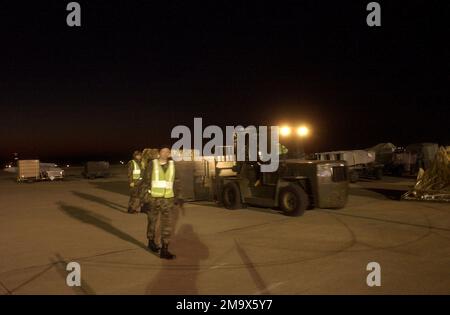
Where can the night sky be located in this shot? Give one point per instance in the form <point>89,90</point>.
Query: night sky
<point>135,69</point>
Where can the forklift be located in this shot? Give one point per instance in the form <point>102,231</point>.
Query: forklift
<point>297,185</point>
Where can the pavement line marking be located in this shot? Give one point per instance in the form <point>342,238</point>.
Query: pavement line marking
<point>252,226</point>
<point>32,278</point>
<point>217,266</point>
<point>386,220</point>
<point>75,258</point>
<point>8,292</point>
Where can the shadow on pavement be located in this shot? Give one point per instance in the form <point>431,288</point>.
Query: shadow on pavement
<point>393,194</point>
<point>364,192</point>
<point>72,178</point>
<point>118,187</point>
<point>101,201</point>
<point>100,222</point>
<point>378,193</point>
<point>257,279</point>
<point>190,250</point>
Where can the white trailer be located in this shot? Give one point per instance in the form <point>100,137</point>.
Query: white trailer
<point>361,163</point>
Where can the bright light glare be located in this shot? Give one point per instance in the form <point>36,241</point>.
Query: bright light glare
<point>285,131</point>
<point>302,131</point>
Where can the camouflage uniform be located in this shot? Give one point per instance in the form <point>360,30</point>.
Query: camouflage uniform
<point>135,203</point>
<point>161,208</point>
<point>147,156</point>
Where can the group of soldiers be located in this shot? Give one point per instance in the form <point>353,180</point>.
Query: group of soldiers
<point>155,190</point>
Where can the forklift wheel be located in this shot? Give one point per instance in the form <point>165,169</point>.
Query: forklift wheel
<point>293,200</point>
<point>231,196</point>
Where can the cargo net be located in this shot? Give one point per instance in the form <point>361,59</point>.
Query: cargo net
<point>434,183</point>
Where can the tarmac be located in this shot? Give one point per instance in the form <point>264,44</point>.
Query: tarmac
<point>46,225</point>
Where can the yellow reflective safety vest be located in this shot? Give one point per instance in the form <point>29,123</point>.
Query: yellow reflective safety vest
<point>162,182</point>
<point>136,171</point>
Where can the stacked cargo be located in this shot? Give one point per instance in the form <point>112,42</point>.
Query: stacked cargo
<point>28,170</point>
<point>433,184</point>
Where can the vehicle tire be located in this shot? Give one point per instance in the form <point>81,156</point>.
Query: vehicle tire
<point>353,176</point>
<point>293,200</point>
<point>231,196</point>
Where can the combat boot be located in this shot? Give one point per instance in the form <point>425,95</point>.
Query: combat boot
<point>152,246</point>
<point>165,254</point>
